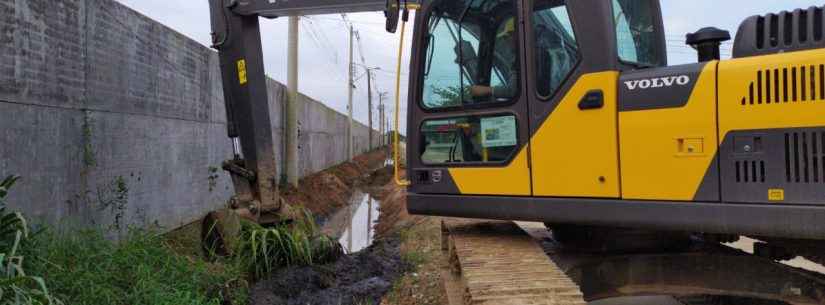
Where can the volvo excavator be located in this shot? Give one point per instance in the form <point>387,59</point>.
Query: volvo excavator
<point>566,112</point>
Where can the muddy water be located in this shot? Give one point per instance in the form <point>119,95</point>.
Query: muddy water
<point>746,244</point>
<point>704,274</point>
<point>354,225</point>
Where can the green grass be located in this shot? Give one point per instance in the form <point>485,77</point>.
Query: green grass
<point>413,256</point>
<point>17,285</point>
<point>85,268</point>
<point>264,250</point>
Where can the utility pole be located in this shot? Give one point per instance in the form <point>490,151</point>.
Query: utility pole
<point>380,121</point>
<point>387,133</point>
<point>369,104</point>
<point>350,149</point>
<point>382,129</point>
<point>389,129</point>
<point>292,104</point>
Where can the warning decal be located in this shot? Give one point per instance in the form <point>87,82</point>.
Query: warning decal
<point>242,71</point>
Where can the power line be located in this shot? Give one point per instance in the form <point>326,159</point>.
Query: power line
<point>349,21</point>
<point>312,32</point>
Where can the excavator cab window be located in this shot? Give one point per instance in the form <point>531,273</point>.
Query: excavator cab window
<point>471,63</point>
<point>557,51</point>
<point>471,139</point>
<point>637,32</point>
<point>472,55</point>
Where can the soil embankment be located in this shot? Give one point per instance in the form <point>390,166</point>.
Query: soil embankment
<point>330,190</point>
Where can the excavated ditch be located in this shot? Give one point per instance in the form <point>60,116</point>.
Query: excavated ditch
<point>363,276</point>
<point>360,278</point>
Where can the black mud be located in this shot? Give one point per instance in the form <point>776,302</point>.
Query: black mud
<point>361,278</point>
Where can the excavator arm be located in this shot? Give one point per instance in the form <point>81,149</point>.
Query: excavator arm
<point>237,37</point>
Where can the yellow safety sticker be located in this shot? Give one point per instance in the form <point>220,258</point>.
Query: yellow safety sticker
<point>776,195</point>
<point>242,71</point>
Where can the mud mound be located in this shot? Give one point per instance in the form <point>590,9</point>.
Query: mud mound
<point>362,278</point>
<point>326,192</point>
<point>393,209</point>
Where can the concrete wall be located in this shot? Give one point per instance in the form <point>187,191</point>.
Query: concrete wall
<point>114,119</point>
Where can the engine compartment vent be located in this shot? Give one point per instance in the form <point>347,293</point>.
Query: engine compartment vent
<point>786,85</point>
<point>780,32</point>
<point>805,157</point>
<point>749,171</point>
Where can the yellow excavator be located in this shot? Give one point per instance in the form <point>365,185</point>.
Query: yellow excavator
<point>566,112</point>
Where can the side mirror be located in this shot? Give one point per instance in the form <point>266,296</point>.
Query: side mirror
<point>392,14</point>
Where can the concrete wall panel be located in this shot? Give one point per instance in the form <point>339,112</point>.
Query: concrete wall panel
<point>45,146</point>
<point>165,164</point>
<point>136,65</point>
<point>114,119</point>
<point>42,49</point>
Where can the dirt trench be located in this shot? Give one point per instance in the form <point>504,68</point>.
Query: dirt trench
<point>328,191</point>
<point>361,278</point>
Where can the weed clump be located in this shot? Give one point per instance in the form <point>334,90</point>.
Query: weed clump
<point>264,250</point>
<point>16,285</point>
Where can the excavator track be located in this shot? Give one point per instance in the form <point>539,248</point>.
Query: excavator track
<point>496,262</point>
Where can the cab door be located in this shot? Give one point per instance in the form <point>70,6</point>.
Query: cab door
<point>573,76</point>
<point>468,106</point>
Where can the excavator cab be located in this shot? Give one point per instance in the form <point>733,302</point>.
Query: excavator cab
<point>492,75</point>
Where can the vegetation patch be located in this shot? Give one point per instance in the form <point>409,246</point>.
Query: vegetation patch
<point>17,285</point>
<point>84,267</point>
<point>88,150</point>
<point>264,250</point>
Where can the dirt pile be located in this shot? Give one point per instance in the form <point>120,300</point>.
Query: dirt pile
<point>362,278</point>
<point>326,192</point>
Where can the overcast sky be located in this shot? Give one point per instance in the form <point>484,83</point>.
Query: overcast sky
<point>324,42</point>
